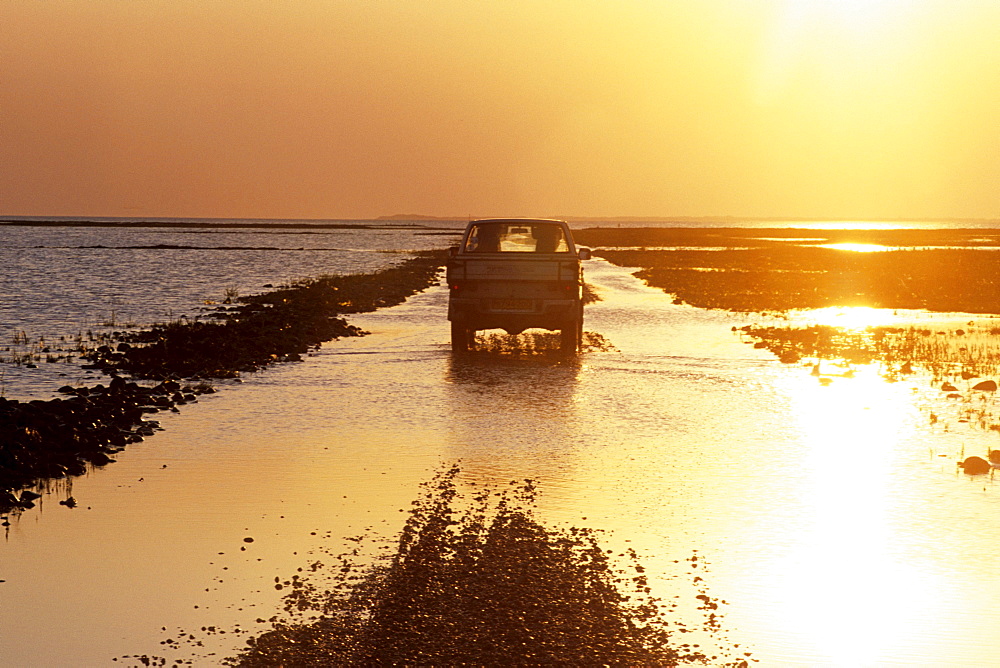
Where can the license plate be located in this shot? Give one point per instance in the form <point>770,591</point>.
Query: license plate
<point>511,305</point>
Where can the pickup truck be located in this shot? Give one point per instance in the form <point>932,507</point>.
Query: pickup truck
<point>516,274</point>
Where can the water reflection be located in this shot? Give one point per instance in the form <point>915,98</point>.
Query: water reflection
<point>551,378</point>
<point>507,412</point>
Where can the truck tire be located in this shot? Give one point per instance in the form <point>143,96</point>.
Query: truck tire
<point>461,337</point>
<point>569,337</point>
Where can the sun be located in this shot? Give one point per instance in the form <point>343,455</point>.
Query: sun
<point>856,11</point>
<point>853,16</point>
<point>835,41</point>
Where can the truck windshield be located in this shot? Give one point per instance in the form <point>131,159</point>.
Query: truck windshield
<point>516,238</point>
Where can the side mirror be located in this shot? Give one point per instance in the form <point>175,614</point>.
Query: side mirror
<point>584,253</point>
<point>453,251</point>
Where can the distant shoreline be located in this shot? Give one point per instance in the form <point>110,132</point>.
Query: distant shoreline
<point>624,232</point>
<point>418,219</point>
<point>215,223</point>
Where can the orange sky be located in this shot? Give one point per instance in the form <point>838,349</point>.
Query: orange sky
<point>358,108</point>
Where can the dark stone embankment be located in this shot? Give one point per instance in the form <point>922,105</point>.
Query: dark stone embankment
<point>62,437</point>
<point>271,327</point>
<point>42,440</point>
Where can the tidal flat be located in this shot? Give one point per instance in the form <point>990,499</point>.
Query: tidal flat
<point>779,277</point>
<point>620,438</point>
<point>786,269</point>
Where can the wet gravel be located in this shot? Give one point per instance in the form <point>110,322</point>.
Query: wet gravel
<point>479,581</point>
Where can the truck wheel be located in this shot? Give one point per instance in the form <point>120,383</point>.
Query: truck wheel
<point>461,337</point>
<point>570,337</point>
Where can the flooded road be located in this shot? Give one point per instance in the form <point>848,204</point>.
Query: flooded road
<point>827,518</point>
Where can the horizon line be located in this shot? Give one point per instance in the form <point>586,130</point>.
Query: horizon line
<point>12,218</point>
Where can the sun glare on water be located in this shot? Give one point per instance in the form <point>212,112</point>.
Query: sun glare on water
<point>856,225</point>
<point>845,561</point>
<point>857,248</point>
<point>854,318</point>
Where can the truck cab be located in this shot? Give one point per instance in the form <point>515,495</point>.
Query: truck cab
<point>516,274</point>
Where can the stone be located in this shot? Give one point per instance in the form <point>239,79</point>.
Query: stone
<point>976,466</point>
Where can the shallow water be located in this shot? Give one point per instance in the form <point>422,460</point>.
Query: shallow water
<point>826,517</point>
<point>60,284</point>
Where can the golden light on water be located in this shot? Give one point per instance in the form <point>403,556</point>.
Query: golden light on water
<point>857,248</point>
<point>841,584</point>
<point>854,225</point>
<point>855,318</point>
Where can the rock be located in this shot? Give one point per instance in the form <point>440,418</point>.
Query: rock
<point>948,387</point>
<point>100,459</point>
<point>167,387</point>
<point>976,466</point>
<point>986,386</point>
<point>789,356</point>
<point>995,456</point>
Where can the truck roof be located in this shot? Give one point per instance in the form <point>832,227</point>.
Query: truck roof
<point>518,220</point>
